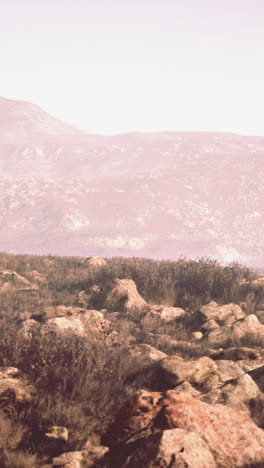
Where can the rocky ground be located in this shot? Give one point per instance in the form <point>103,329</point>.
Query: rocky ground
<point>95,373</point>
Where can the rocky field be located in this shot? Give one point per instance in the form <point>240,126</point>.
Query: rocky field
<point>130,363</point>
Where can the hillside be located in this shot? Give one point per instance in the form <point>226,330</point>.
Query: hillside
<point>160,195</point>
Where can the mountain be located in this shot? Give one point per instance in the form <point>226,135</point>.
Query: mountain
<point>29,123</point>
<point>160,195</point>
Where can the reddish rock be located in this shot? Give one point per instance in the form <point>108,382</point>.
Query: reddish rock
<point>231,436</point>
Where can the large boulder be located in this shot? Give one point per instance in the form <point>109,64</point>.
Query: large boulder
<point>221,314</point>
<point>142,423</point>
<point>90,319</point>
<point>233,389</point>
<point>220,381</point>
<point>249,327</point>
<point>174,370</point>
<point>124,297</point>
<point>64,326</point>
<point>171,448</point>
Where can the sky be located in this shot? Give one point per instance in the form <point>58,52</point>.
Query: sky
<point>115,66</point>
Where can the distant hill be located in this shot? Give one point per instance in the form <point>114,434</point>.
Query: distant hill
<point>166,194</point>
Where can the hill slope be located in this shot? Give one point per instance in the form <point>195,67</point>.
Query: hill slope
<point>160,195</point>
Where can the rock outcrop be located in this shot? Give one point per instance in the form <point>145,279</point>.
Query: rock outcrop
<point>200,434</point>
<point>10,280</point>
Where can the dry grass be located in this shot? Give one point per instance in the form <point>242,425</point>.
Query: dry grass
<point>18,459</point>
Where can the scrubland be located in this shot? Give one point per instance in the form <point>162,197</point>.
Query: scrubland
<point>80,355</point>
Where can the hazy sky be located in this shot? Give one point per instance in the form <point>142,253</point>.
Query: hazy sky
<point>111,66</point>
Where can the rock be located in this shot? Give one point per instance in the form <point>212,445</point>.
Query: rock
<point>223,315</point>
<point>57,433</point>
<point>24,315</point>
<point>250,325</point>
<point>28,328</point>
<point>218,337</point>
<point>37,277</point>
<point>175,370</point>
<point>94,262</point>
<point>148,352</point>
<point>197,336</point>
<point>238,353</point>
<point>247,365</point>
<point>234,388</point>
<point>172,448</point>
<point>227,370</point>
<point>161,339</point>
<point>55,441</point>
<point>226,398</point>
<point>13,279</point>
<point>61,311</point>
<point>209,325</point>
<point>92,317</point>
<point>258,376</point>
<point>247,327</point>
<point>74,316</point>
<point>231,436</point>
<point>221,381</point>
<point>86,298</point>
<point>85,458</point>
<point>16,392</point>
<point>167,314</point>
<point>70,460</point>
<point>62,326</point>
<point>259,282</point>
<point>124,297</point>
<point>48,262</point>
<point>260,314</point>
<point>10,280</point>
<point>186,387</point>
<point>243,387</point>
